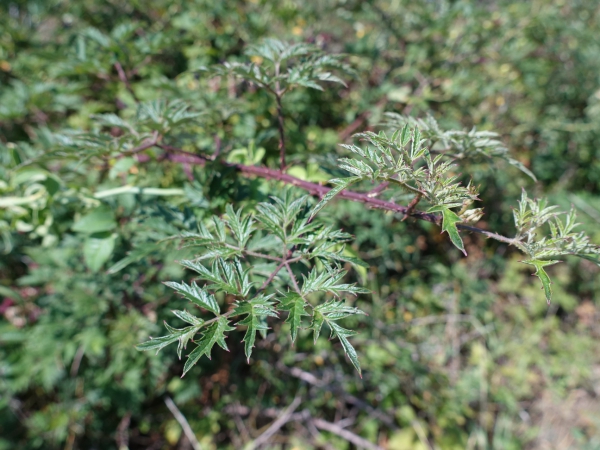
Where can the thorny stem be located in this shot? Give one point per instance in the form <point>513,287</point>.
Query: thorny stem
<point>320,191</point>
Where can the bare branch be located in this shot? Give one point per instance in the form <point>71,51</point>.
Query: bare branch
<point>320,191</point>
<point>125,80</point>
<point>285,417</point>
<point>345,434</point>
<point>183,422</point>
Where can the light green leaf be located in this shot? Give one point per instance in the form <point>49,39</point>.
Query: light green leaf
<point>134,256</point>
<point>187,317</point>
<point>183,335</point>
<point>294,304</point>
<point>449,221</point>
<point>342,334</point>
<point>196,295</point>
<point>542,275</point>
<point>100,219</point>
<point>97,249</point>
<point>257,310</point>
<point>340,185</point>
<point>329,313</point>
<point>214,334</point>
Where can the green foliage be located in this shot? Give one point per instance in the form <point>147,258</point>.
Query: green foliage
<point>282,238</point>
<point>141,139</point>
<point>286,67</point>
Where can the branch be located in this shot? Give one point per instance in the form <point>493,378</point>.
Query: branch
<point>272,276</point>
<point>345,434</point>
<point>125,80</point>
<point>285,417</point>
<point>183,422</point>
<point>281,134</point>
<point>144,146</point>
<point>320,191</point>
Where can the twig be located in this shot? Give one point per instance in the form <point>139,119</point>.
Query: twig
<point>125,80</point>
<point>122,437</point>
<point>278,93</point>
<point>144,146</point>
<point>345,434</point>
<point>421,434</point>
<point>183,422</point>
<point>272,276</point>
<point>276,426</point>
<point>411,206</point>
<point>378,189</point>
<point>77,361</point>
<point>320,191</point>
<point>281,134</point>
<point>294,282</point>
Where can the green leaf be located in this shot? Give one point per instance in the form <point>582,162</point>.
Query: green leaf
<point>157,343</point>
<point>100,219</point>
<point>187,317</point>
<point>183,335</point>
<point>328,281</point>
<point>196,295</point>
<point>405,135</point>
<point>241,227</point>
<point>257,310</point>
<point>342,334</point>
<point>214,334</point>
<point>341,257</point>
<point>134,256</point>
<point>542,275</point>
<point>340,185</point>
<point>449,221</point>
<point>329,313</point>
<point>97,249</point>
<point>295,305</point>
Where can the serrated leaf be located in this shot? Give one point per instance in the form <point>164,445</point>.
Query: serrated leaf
<point>295,305</point>
<point>341,257</point>
<point>328,281</point>
<point>542,275</point>
<point>183,335</point>
<point>187,317</point>
<point>329,313</point>
<point>213,334</point>
<point>342,334</point>
<point>340,185</point>
<point>256,311</point>
<point>405,136</point>
<point>240,227</point>
<point>196,295</point>
<point>449,221</point>
<point>157,343</point>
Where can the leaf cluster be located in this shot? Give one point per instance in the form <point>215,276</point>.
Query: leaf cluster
<point>254,259</point>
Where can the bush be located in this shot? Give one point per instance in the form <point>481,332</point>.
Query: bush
<point>141,140</point>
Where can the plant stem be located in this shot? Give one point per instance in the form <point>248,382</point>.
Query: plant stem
<point>320,191</point>
<point>281,134</point>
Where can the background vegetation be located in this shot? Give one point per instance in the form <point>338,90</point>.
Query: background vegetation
<point>456,352</point>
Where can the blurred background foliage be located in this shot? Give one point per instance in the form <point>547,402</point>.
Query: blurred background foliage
<point>456,352</point>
